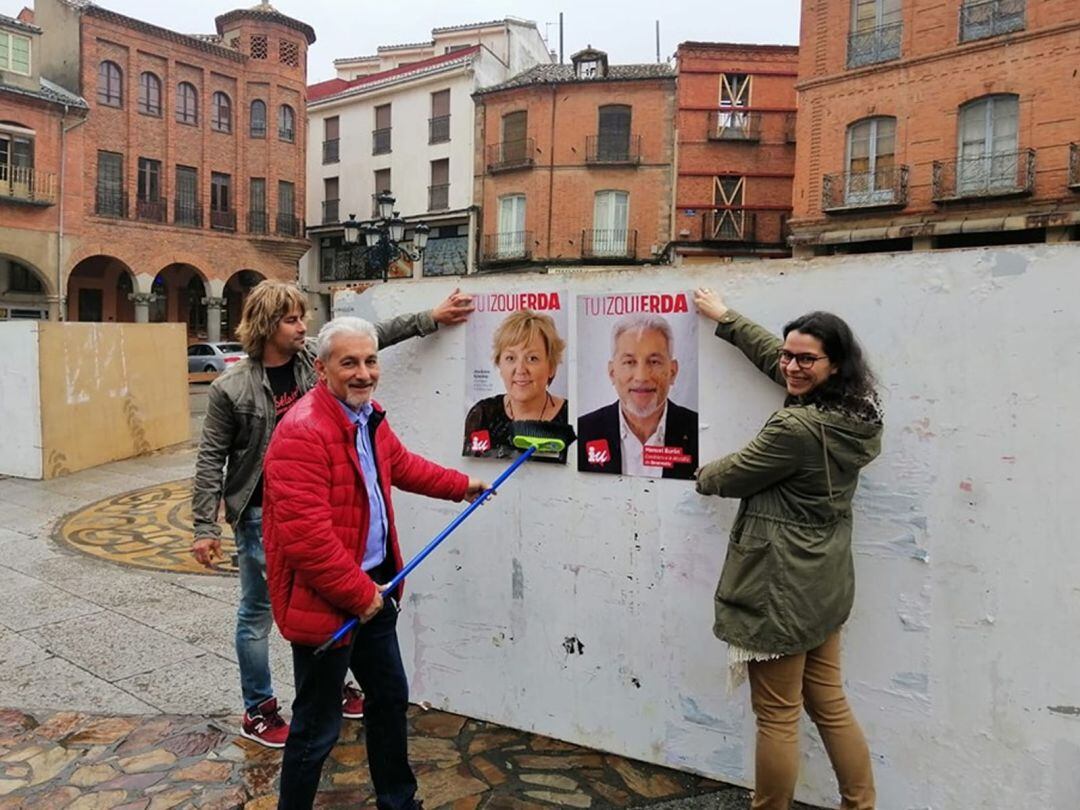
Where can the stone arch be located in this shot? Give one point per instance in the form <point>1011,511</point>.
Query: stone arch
<point>177,295</point>
<point>101,288</point>
<point>237,288</point>
<point>25,291</point>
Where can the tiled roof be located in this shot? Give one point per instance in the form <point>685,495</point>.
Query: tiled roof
<point>446,29</point>
<point>356,59</point>
<point>50,92</point>
<point>11,22</point>
<point>405,46</point>
<point>738,46</point>
<point>90,10</point>
<point>267,12</point>
<point>564,74</point>
<point>324,90</point>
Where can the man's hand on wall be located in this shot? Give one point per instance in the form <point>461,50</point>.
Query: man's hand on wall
<point>456,308</point>
<point>206,550</point>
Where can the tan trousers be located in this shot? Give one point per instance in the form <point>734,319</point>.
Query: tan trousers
<point>778,691</point>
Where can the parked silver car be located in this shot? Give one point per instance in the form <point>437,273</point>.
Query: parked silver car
<point>213,356</point>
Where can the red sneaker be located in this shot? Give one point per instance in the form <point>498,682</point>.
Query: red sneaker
<point>352,702</point>
<point>265,725</point>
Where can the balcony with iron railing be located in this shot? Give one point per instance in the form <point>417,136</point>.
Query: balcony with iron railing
<point>510,246</point>
<point>734,125</point>
<point>510,155</point>
<point>24,184</point>
<point>187,212</point>
<point>380,141</point>
<point>882,188</point>
<point>439,197</point>
<point>258,222</point>
<point>439,129</point>
<point>990,18</point>
<point>109,202</point>
<point>151,210</point>
<point>222,220</point>
<point>604,150</point>
<point>874,45</point>
<point>729,225</point>
<point>331,212</point>
<point>606,244</point>
<point>288,225</point>
<point>1074,166</point>
<point>331,151</point>
<point>1001,174</point>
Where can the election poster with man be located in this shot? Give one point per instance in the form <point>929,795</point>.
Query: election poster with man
<point>637,384</point>
<point>515,362</point>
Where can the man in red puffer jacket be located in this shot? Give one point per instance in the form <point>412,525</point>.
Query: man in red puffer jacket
<point>330,541</point>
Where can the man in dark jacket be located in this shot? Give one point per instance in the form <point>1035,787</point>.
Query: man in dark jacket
<point>643,433</point>
<point>244,405</point>
<point>331,545</point>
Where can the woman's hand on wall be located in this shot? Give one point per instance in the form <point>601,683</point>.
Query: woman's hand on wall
<point>709,303</point>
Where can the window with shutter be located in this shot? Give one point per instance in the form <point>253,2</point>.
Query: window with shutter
<point>614,133</point>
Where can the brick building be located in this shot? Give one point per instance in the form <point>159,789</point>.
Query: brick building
<point>402,121</point>
<point>40,183</point>
<point>574,163</point>
<point>192,165</point>
<point>735,129</point>
<point>936,124</point>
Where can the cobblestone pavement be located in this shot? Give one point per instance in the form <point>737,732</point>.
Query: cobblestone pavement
<point>82,761</point>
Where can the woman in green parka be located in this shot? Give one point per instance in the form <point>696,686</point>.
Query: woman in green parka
<point>788,581</point>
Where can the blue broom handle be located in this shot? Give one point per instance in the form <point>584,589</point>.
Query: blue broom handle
<point>430,547</point>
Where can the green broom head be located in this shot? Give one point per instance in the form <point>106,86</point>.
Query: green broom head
<point>549,438</point>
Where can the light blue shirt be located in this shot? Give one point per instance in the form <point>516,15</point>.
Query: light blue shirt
<point>375,551</point>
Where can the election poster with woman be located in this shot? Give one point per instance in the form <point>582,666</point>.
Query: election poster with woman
<point>515,363</point>
<point>637,384</point>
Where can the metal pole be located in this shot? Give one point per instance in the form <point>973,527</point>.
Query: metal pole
<point>658,42</point>
<point>560,38</point>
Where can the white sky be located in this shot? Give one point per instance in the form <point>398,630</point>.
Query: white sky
<point>626,30</point>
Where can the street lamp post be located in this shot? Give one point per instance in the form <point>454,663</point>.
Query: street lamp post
<point>383,236</point>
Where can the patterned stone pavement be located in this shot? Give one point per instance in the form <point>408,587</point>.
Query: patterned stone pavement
<point>84,762</point>
<point>147,528</point>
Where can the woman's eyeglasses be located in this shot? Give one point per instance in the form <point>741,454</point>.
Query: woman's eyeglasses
<point>804,361</point>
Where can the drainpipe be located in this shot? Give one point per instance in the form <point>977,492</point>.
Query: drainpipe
<point>551,168</point>
<point>61,298</point>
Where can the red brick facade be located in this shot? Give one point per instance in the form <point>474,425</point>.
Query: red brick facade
<point>559,162</point>
<point>184,244</point>
<point>736,148</point>
<point>938,124</point>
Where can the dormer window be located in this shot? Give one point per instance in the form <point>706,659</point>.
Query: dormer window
<point>590,64</point>
<point>14,53</point>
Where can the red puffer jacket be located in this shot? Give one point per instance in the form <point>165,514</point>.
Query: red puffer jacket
<point>315,513</point>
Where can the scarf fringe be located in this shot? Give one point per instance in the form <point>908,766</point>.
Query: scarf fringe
<point>738,671</point>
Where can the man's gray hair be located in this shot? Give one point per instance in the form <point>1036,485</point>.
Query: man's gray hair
<point>639,323</point>
<point>344,325</point>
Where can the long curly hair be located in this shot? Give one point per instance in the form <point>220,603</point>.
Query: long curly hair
<point>265,306</point>
<point>854,379</point>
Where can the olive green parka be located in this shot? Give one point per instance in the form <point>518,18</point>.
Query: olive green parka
<point>788,581</point>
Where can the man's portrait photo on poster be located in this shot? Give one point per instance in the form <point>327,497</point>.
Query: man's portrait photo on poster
<point>516,367</point>
<point>637,383</point>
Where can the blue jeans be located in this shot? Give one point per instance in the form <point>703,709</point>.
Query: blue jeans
<point>374,657</point>
<point>253,617</point>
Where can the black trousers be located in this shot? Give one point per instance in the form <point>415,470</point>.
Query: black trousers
<point>375,660</point>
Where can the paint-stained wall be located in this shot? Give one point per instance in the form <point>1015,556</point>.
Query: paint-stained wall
<point>110,391</point>
<point>580,605</point>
